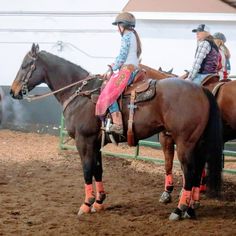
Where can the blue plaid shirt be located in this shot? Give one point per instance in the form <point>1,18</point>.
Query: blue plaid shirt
<point>203,49</point>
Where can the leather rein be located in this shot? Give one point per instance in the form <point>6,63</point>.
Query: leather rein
<point>36,96</point>
<point>78,92</point>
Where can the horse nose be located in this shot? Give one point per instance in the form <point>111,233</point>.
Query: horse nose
<point>16,96</point>
<point>11,93</point>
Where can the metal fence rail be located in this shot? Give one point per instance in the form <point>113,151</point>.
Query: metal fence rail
<point>64,145</point>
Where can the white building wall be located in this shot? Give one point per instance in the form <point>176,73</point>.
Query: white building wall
<point>171,44</point>
<point>81,32</point>
<point>80,39</point>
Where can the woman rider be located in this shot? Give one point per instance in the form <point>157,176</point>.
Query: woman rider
<point>125,63</point>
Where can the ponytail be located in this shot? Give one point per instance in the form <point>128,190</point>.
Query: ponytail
<point>139,46</point>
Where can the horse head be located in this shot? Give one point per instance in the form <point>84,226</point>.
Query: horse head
<point>157,74</point>
<point>30,74</point>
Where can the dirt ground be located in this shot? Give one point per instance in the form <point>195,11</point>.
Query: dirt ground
<point>42,188</point>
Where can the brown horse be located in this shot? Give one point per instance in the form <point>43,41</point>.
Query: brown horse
<point>226,103</point>
<point>195,126</point>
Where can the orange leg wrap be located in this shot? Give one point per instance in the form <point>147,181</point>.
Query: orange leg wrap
<point>169,183</point>
<point>99,188</point>
<point>89,194</point>
<point>84,208</point>
<point>89,200</point>
<point>100,197</point>
<point>195,200</point>
<point>184,200</point>
<point>98,207</point>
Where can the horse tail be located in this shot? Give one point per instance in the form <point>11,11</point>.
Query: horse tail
<point>213,145</point>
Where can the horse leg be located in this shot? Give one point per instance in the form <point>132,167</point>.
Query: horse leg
<point>91,164</point>
<point>168,148</point>
<point>195,200</point>
<point>100,192</point>
<point>199,165</point>
<point>186,159</point>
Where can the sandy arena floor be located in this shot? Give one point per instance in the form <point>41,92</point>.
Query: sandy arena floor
<point>42,188</point>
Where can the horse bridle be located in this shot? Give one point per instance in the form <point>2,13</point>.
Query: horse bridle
<point>78,92</point>
<point>27,76</point>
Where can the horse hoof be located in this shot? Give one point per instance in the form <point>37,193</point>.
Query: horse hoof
<point>84,209</point>
<point>165,197</point>
<point>97,207</point>
<point>186,215</point>
<point>189,214</point>
<point>176,215</point>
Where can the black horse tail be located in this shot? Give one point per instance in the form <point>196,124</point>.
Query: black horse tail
<point>213,142</point>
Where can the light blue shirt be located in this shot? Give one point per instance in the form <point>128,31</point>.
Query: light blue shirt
<point>128,51</point>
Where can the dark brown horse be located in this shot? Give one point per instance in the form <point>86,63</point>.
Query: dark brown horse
<point>225,98</point>
<point>195,126</point>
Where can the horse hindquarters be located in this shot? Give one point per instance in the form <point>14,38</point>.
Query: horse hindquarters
<point>208,149</point>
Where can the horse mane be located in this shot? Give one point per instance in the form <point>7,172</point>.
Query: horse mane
<point>61,61</point>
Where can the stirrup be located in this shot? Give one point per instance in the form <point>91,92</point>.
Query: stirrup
<point>118,129</point>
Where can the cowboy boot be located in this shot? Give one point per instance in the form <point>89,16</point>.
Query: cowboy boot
<point>117,126</point>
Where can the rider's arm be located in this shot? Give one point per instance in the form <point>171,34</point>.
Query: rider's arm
<point>121,58</point>
<point>204,48</point>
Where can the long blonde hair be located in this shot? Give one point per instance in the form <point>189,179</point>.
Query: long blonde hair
<point>226,51</point>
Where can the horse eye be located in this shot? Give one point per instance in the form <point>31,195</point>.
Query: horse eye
<point>24,66</point>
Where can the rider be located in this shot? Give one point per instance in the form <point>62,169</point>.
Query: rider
<point>125,63</point>
<point>220,40</point>
<point>206,55</point>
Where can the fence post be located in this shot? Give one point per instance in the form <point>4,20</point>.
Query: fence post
<point>63,134</point>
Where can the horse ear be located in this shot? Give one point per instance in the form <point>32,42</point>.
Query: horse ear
<point>34,49</point>
<point>160,69</point>
<point>170,71</point>
<point>37,48</point>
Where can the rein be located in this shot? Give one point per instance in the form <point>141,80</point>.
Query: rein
<point>34,97</point>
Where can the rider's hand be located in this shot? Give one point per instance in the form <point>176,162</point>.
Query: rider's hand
<point>107,75</point>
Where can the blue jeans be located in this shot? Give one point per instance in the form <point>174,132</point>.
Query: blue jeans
<point>199,78</point>
<point>114,107</point>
